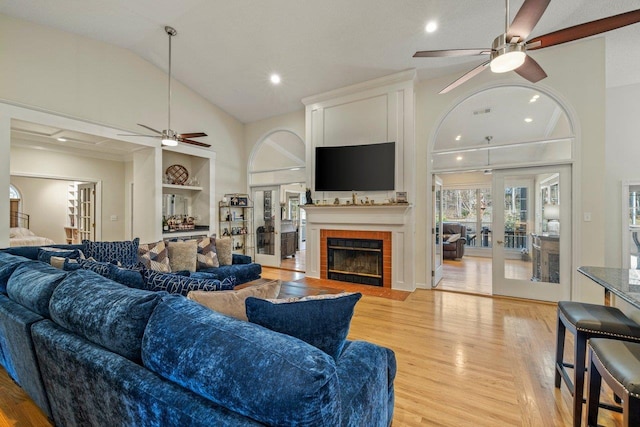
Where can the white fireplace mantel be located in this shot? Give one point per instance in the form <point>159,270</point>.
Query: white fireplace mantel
<point>394,218</point>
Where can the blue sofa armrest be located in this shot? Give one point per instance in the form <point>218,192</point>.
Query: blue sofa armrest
<point>366,373</point>
<point>31,252</point>
<point>240,259</point>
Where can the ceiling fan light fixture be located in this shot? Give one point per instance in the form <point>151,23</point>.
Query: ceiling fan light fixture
<point>508,61</point>
<point>169,142</point>
<point>506,56</point>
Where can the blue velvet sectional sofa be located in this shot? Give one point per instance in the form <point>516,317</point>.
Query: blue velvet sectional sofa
<point>241,269</point>
<point>93,352</point>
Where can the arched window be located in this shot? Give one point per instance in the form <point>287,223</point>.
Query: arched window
<point>503,127</point>
<point>14,193</point>
<point>278,159</point>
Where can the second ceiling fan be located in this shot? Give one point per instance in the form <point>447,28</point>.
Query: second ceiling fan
<point>168,136</point>
<point>509,50</point>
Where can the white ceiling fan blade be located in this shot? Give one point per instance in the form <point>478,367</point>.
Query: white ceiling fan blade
<point>465,77</point>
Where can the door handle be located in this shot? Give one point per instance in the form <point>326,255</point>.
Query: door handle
<point>500,242</point>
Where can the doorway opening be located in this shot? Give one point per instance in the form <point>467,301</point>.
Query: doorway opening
<point>276,178</point>
<point>495,203</point>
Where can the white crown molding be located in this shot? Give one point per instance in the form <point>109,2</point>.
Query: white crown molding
<point>401,77</point>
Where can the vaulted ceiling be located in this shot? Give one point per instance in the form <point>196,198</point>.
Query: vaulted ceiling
<point>226,50</point>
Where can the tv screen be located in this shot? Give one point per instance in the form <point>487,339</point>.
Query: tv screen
<point>368,167</point>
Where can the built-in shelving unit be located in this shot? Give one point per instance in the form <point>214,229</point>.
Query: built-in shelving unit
<point>236,221</point>
<point>186,198</point>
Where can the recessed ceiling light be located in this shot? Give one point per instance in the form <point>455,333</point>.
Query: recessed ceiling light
<point>536,96</point>
<point>62,139</point>
<point>534,99</point>
<point>459,158</point>
<point>431,27</point>
<point>275,79</point>
<point>528,120</point>
<point>458,138</point>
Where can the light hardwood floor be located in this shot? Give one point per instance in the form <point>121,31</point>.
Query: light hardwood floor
<point>463,360</point>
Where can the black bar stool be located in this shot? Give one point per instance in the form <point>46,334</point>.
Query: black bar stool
<point>587,321</point>
<point>618,364</point>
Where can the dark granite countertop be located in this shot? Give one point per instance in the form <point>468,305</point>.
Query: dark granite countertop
<point>620,281</point>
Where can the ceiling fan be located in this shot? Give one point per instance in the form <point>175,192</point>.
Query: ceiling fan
<point>168,136</point>
<point>509,50</point>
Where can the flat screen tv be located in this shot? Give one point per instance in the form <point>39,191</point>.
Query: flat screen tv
<point>368,167</point>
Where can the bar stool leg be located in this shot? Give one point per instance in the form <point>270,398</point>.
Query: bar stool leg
<point>593,394</point>
<point>560,334</point>
<point>631,415</point>
<point>578,374</point>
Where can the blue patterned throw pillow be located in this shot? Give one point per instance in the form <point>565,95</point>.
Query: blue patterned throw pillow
<point>102,268</point>
<point>322,321</point>
<point>126,252</point>
<point>45,254</point>
<point>175,284</point>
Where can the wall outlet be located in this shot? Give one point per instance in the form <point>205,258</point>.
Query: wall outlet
<point>587,216</point>
<point>114,217</point>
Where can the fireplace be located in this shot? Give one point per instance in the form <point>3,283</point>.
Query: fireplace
<point>354,250</point>
<point>355,260</point>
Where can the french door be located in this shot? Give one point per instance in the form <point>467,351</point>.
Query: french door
<point>87,211</point>
<point>531,233</point>
<point>436,275</point>
<point>266,202</point>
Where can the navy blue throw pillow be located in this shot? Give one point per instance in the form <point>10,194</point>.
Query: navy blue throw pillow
<point>130,277</point>
<point>45,254</point>
<point>322,321</point>
<point>126,252</point>
<point>175,284</point>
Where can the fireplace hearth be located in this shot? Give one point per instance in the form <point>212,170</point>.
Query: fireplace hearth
<point>355,260</point>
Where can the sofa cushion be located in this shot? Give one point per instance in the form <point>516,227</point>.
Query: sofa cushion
<point>155,256</point>
<point>8,264</point>
<point>176,284</point>
<point>243,272</point>
<point>32,285</point>
<point>130,277</point>
<point>266,376</point>
<point>183,255</point>
<point>125,252</point>
<point>103,311</point>
<point>224,249</point>
<point>321,320</point>
<point>231,303</point>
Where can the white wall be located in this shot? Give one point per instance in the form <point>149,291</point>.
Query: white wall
<point>45,201</point>
<point>622,162</point>
<point>583,93</point>
<point>73,76</point>
<point>33,162</point>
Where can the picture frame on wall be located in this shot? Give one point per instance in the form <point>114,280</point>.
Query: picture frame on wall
<point>401,197</point>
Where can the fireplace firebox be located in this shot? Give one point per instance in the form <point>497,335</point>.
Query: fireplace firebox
<point>355,260</point>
